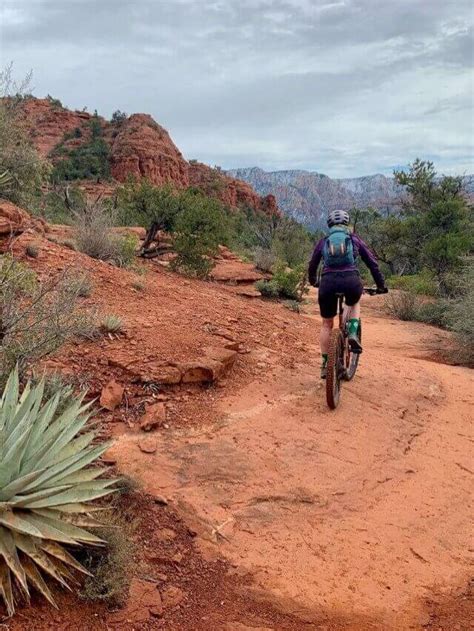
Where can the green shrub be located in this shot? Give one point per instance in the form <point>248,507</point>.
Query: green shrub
<point>268,288</point>
<point>199,229</point>
<point>292,283</point>
<point>25,169</point>
<point>141,204</point>
<point>88,161</point>
<point>56,103</point>
<point>435,313</point>
<point>293,305</point>
<point>118,117</point>
<point>402,305</point>
<point>264,259</point>
<point>422,283</point>
<point>111,324</point>
<point>55,206</point>
<point>285,283</point>
<point>37,316</point>
<point>127,247</point>
<point>138,284</point>
<point>460,318</point>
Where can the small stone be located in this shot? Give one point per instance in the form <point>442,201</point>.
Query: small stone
<point>154,416</point>
<point>166,534</point>
<point>159,499</point>
<point>111,395</point>
<point>147,445</point>
<point>171,596</point>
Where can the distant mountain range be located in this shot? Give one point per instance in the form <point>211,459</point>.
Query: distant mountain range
<point>308,196</point>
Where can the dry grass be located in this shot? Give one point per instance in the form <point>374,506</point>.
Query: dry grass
<point>111,324</point>
<point>111,567</point>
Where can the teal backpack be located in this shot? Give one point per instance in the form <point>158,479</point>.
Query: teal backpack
<point>338,250</point>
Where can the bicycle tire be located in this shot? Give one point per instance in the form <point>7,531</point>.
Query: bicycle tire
<point>353,358</point>
<point>334,369</point>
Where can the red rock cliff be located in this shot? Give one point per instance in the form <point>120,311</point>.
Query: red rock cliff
<point>139,147</point>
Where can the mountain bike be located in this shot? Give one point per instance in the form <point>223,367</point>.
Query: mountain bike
<point>342,360</point>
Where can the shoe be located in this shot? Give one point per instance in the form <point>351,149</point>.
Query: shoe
<point>324,371</point>
<point>354,343</point>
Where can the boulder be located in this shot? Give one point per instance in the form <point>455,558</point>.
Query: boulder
<point>111,395</point>
<point>155,415</point>
<point>165,375</point>
<point>14,220</point>
<point>206,370</point>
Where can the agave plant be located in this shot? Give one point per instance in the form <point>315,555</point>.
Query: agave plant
<point>46,485</point>
<point>5,180</point>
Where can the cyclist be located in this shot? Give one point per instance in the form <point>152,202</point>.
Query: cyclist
<point>339,251</point>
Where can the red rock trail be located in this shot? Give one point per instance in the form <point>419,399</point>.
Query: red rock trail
<point>358,513</point>
<point>349,519</point>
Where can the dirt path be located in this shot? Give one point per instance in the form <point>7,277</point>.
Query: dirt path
<point>357,514</point>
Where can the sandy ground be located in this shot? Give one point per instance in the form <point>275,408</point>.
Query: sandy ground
<point>358,513</point>
<point>355,519</point>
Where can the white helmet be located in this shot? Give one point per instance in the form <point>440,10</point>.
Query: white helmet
<point>338,218</point>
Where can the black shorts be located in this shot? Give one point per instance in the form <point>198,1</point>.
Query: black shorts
<point>332,283</point>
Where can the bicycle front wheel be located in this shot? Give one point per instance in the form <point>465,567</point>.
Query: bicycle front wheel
<point>335,369</point>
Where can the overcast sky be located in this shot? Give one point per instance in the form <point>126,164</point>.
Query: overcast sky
<point>343,87</point>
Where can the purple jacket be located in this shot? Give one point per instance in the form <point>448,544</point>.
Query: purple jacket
<point>360,248</point>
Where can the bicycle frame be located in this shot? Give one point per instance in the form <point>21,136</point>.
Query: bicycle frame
<point>344,312</point>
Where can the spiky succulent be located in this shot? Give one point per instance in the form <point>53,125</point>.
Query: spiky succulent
<point>5,180</point>
<point>46,485</point>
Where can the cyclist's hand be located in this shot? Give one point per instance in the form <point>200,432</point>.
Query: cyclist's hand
<point>382,290</point>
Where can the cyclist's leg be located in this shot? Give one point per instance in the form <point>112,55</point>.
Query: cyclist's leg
<point>327,326</point>
<point>328,307</point>
<point>353,292</point>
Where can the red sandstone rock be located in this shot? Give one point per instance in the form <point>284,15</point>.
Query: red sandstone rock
<point>144,600</point>
<point>148,445</point>
<point>139,147</point>
<point>142,148</point>
<point>111,396</point>
<point>14,220</point>
<point>154,416</point>
<point>48,123</point>
<point>172,596</point>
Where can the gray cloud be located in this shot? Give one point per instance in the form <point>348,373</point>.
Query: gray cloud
<point>341,86</point>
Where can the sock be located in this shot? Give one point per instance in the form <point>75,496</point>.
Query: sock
<point>353,326</point>
<point>325,358</point>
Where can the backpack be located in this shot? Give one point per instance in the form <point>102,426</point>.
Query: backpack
<point>338,250</point>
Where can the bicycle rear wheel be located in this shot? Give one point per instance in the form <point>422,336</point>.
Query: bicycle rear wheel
<point>335,368</point>
<point>352,359</point>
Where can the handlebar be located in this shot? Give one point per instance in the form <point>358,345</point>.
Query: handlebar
<point>375,291</point>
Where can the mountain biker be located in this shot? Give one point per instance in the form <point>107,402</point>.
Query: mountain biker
<point>339,251</point>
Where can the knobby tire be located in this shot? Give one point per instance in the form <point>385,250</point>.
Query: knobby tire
<point>334,366</point>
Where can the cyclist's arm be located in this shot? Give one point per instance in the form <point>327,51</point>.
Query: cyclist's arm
<point>314,262</point>
<point>369,259</point>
